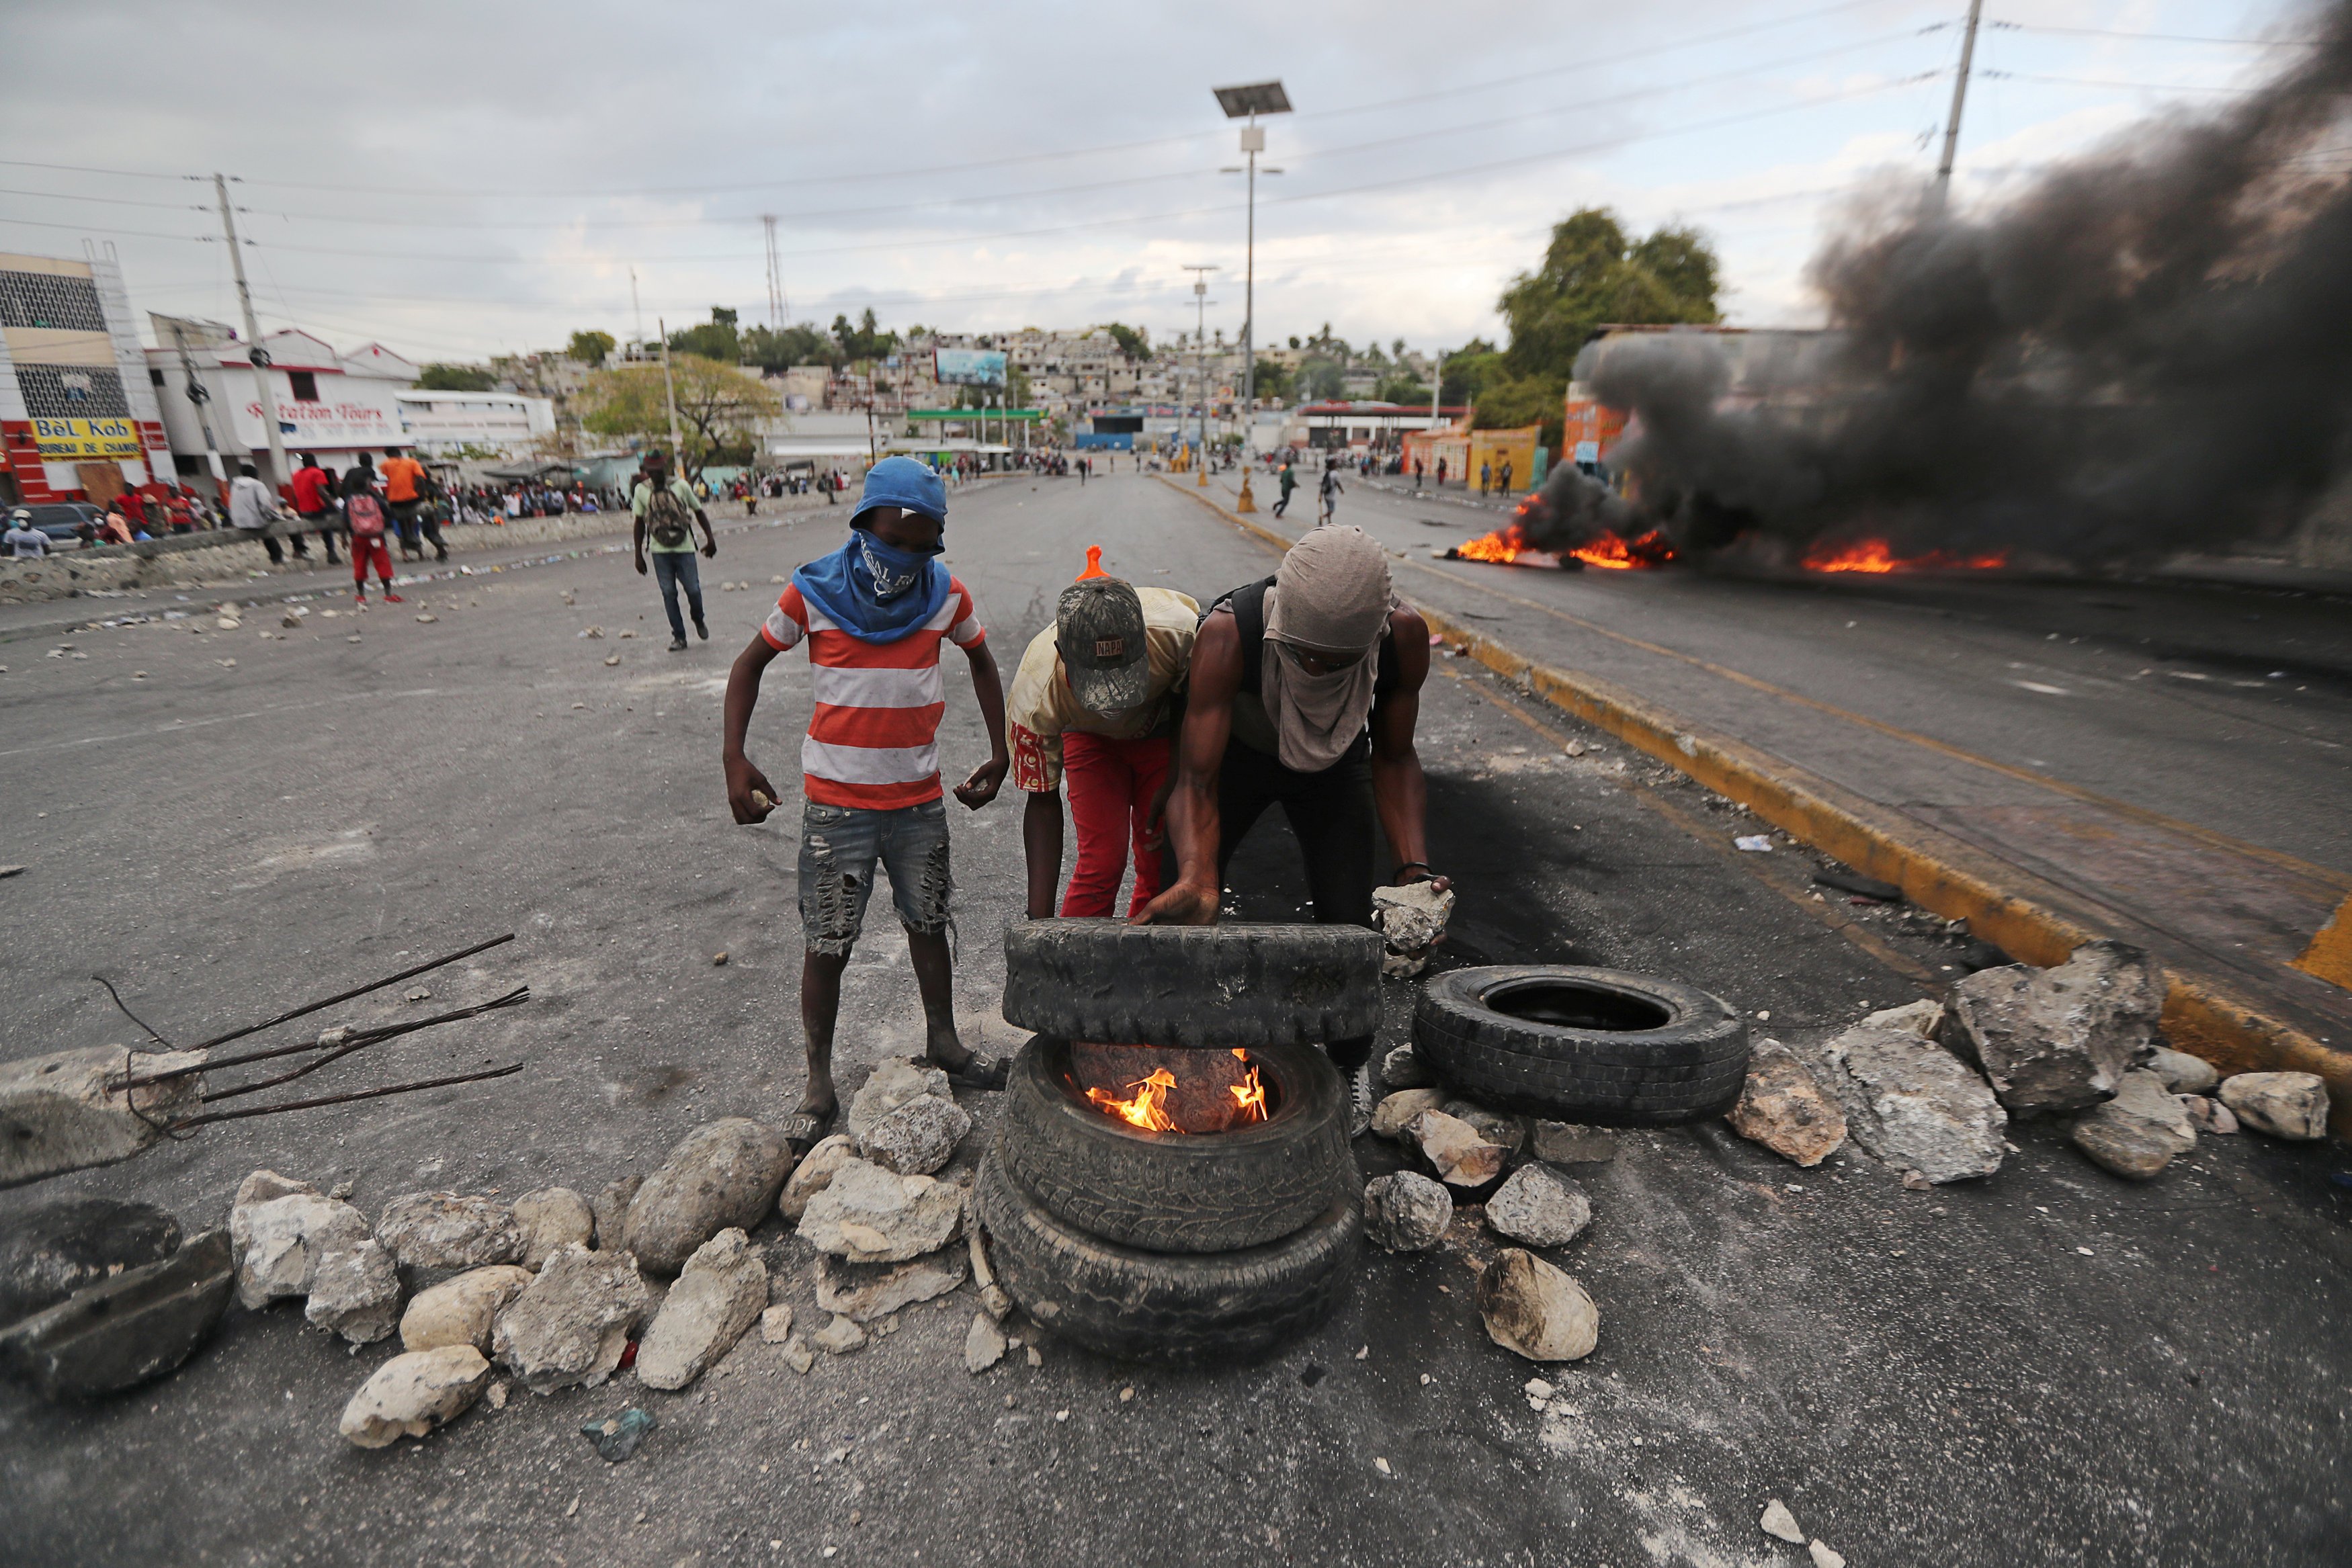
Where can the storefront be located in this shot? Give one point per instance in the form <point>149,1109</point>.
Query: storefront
<point>77,415</point>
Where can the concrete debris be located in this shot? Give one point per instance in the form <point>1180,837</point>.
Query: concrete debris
<point>355,1292</point>
<point>57,1113</point>
<point>798,1357</point>
<point>1396,1112</point>
<point>551,1217</point>
<point>865,1292</point>
<point>1507,1133</point>
<point>463,1309</point>
<point>1406,1212</point>
<point>919,1137</point>
<point>889,1086</point>
<point>1539,1207</point>
<point>869,1214</point>
<point>1461,1157</point>
<point>611,1209</point>
<point>572,1323</point>
<point>1401,1069</point>
<point>449,1231</point>
<point>718,1296</point>
<point>1923,1018</point>
<point>983,1344</point>
<point>776,1323</point>
<point>2059,1038</point>
<point>494,1397</point>
<point>1411,921</point>
<point>1537,1310</point>
<point>262,1185</point>
<point>1783,1108</point>
<point>1780,1524</point>
<point>66,1244</point>
<point>2129,1147</point>
<point>994,1299</point>
<point>839,1337</point>
<point>815,1174</point>
<point>1035,1358</point>
<point>126,1330</point>
<point>723,1173</point>
<point>2208,1115</point>
<point>2283,1105</point>
<point>1823,1557</point>
<point>415,1392</point>
<point>1567,1143</point>
<point>2183,1073</point>
<point>283,1240</point>
<point>1912,1105</point>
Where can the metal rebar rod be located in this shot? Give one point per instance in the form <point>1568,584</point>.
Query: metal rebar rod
<point>187,1122</point>
<point>358,1037</point>
<point>361,1042</point>
<point>356,991</point>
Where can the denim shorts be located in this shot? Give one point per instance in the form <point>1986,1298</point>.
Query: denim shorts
<point>839,845</point>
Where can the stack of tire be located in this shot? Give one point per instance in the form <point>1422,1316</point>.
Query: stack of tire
<point>1177,1246</point>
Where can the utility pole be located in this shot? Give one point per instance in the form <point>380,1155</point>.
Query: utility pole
<point>637,309</point>
<point>1256,99</point>
<point>669,397</point>
<point>254,355</point>
<point>775,278</point>
<point>1200,272</point>
<point>199,394</point>
<point>1959,99</point>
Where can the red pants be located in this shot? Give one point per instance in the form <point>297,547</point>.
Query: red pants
<point>365,549</point>
<point>1111,785</point>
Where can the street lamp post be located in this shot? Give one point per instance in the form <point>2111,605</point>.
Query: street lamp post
<point>1200,368</point>
<point>1248,102</point>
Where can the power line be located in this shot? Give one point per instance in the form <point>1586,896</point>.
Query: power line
<point>2155,38</point>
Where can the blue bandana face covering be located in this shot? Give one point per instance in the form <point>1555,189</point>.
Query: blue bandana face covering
<point>873,591</point>
<point>889,571</point>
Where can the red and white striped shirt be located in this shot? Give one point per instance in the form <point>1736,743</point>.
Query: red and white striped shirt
<point>873,738</point>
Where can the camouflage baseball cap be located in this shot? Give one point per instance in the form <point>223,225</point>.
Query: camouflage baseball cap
<point>1100,630</point>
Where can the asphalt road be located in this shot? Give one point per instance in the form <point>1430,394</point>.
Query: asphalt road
<point>2049,1366</point>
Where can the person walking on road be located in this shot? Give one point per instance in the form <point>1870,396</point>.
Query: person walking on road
<point>1289,482</point>
<point>23,541</point>
<point>314,504</point>
<point>367,518</point>
<point>405,484</point>
<point>666,511</point>
<point>1326,500</point>
<point>252,507</point>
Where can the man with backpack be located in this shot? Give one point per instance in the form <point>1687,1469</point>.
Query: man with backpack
<point>666,512</point>
<point>366,518</point>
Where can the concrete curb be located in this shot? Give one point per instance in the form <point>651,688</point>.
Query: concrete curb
<point>2025,916</point>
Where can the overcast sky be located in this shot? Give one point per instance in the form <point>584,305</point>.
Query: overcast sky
<point>456,180</point>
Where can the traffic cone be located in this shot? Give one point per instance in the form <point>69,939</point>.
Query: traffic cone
<point>1094,564</point>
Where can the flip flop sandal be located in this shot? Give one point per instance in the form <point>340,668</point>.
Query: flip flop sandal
<point>804,1130</point>
<point>983,1072</point>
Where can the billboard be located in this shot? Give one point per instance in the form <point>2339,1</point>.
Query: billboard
<point>969,367</point>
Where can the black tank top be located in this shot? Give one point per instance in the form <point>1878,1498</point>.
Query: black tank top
<point>1248,604</point>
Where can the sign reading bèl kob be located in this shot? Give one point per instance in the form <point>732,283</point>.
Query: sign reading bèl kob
<point>71,438</point>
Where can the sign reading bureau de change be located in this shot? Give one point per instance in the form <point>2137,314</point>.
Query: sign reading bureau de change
<point>87,438</point>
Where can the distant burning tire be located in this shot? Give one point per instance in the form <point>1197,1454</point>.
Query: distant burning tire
<point>1595,1046</point>
<point>1200,987</point>
<point>1174,1192</point>
<point>1135,1305</point>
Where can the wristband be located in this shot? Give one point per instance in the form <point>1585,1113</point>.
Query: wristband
<point>1409,866</point>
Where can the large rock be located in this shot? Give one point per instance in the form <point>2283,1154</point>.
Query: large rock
<point>1397,1112</point>
<point>720,1293</point>
<point>1539,1207</point>
<point>612,1210</point>
<point>413,1392</point>
<point>355,1292</point>
<point>919,1137</point>
<point>1406,1212</point>
<point>1533,1309</point>
<point>1913,1105</point>
<point>1402,1067</point>
<point>869,1214</point>
<point>284,1240</point>
<point>462,1309</point>
<point>889,1086</point>
<point>572,1323</point>
<point>815,1174</point>
<point>723,1173</point>
<point>865,1292</point>
<point>66,1243</point>
<point>1507,1133</point>
<point>2283,1105</point>
<point>449,1231</point>
<point>1567,1143</point>
<point>2183,1073</point>
<point>57,1113</point>
<point>551,1217</point>
<point>1456,1150</point>
<point>1784,1108</point>
<point>122,1332</point>
<point>2138,1132</point>
<point>2060,1038</point>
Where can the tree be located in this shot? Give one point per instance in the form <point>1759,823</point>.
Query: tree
<point>1135,342</point>
<point>1274,380</point>
<point>455,377</point>
<point>590,348</point>
<point>1401,388</point>
<point>776,352</point>
<point>719,408</point>
<point>1320,379</point>
<point>713,339</point>
<point>864,342</point>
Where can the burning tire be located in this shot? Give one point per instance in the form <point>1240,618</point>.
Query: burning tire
<point>1172,1192</point>
<point>1201,986</point>
<point>1596,1046</point>
<point>1155,1306</point>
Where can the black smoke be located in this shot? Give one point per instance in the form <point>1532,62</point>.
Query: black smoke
<point>2148,349</point>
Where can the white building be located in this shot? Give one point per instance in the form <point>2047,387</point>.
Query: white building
<point>77,410</point>
<point>475,423</point>
<point>331,404</point>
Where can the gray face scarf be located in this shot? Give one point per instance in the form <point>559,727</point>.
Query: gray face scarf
<point>1330,597</point>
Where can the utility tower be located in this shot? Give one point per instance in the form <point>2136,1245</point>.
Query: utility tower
<point>775,278</point>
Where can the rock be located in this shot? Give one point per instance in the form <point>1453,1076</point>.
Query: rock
<point>863,1292</point>
<point>57,1114</point>
<point>798,1357</point>
<point>449,1231</point>
<point>983,1344</point>
<point>355,1292</point>
<point>869,1214</point>
<point>1411,920</point>
<point>264,1184</point>
<point>1461,1156</point>
<point>1401,1069</point>
<point>720,1294</point>
<point>1406,1212</point>
<point>1533,1309</point>
<point>2143,1097</point>
<point>2059,1038</point>
<point>1396,1112</point>
<point>1923,1018</point>
<point>618,1437</point>
<point>463,1309</point>
<point>1506,1133</point>
<point>919,1137</point>
<point>123,1331</point>
<point>413,1392</point>
<point>1566,1144</point>
<point>776,1323</point>
<point>612,1211</point>
<point>2283,1105</point>
<point>889,1086</point>
<point>1823,1557</point>
<point>2183,1073</point>
<point>571,1323</point>
<point>1784,1109</point>
<point>839,1337</point>
<point>284,1240</point>
<point>1780,1524</point>
<point>551,1217</point>
<point>1912,1105</point>
<point>2208,1115</point>
<point>1539,1207</point>
<point>815,1174</point>
<point>66,1244</point>
<point>2130,1148</point>
<point>722,1174</point>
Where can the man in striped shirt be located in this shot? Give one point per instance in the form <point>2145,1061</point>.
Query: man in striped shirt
<point>873,614</point>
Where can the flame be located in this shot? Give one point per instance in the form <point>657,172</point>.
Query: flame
<point>1142,1108</point>
<point>1876,557</point>
<point>1610,552</point>
<point>1251,1093</point>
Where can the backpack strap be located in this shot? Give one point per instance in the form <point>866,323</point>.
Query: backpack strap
<point>1247,604</point>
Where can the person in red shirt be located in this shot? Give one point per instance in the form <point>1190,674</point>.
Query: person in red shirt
<point>314,504</point>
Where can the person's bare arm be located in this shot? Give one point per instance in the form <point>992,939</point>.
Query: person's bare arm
<point>1192,821</point>
<point>637,547</point>
<point>1041,845</point>
<point>742,696</point>
<point>1400,792</point>
<point>709,540</point>
<point>988,687</point>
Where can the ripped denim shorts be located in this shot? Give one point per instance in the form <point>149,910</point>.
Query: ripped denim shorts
<point>839,845</point>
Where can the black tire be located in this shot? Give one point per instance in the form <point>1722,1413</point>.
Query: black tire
<point>1177,1307</point>
<point>1212,987</point>
<point>1646,1053</point>
<point>1172,1192</point>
